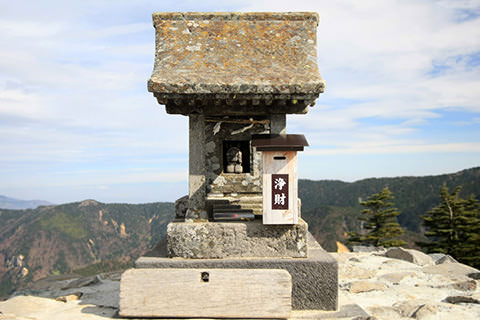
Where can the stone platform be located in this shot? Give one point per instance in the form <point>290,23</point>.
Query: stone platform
<point>314,278</point>
<point>206,240</point>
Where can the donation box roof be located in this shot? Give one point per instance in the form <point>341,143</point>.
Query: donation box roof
<point>279,142</point>
<point>251,57</point>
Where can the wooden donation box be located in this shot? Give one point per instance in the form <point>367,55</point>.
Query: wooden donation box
<point>280,176</point>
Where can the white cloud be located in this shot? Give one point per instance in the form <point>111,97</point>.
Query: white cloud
<point>382,51</point>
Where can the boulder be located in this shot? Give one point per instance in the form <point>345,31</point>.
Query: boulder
<point>69,297</point>
<point>474,275</point>
<point>446,259</point>
<point>416,309</point>
<point>436,256</point>
<point>426,311</point>
<point>454,270</point>
<point>410,255</point>
<point>461,299</point>
<point>365,286</point>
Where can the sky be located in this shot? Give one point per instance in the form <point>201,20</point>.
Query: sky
<point>76,121</point>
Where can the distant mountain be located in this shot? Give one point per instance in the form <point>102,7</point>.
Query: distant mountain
<point>58,239</point>
<point>90,235</point>
<point>16,204</point>
<point>331,208</point>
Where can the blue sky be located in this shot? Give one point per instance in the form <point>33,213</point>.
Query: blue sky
<point>77,122</point>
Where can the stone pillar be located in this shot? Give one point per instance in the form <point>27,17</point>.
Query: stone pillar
<point>196,178</point>
<point>278,124</point>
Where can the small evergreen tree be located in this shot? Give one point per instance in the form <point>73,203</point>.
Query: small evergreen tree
<point>380,220</point>
<point>454,227</point>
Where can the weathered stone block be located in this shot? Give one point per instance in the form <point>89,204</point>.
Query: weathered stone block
<point>314,279</point>
<point>206,293</point>
<point>205,240</point>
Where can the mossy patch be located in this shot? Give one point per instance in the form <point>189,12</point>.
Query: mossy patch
<point>71,226</point>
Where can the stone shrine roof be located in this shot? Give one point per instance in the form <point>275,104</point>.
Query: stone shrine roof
<point>236,59</point>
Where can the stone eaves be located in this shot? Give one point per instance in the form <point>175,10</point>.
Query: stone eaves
<point>236,59</point>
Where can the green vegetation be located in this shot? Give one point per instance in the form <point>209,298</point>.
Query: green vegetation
<point>454,227</point>
<point>6,285</point>
<point>329,224</point>
<point>380,220</point>
<point>69,225</point>
<point>329,202</point>
<point>60,265</point>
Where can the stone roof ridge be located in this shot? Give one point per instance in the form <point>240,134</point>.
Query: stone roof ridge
<point>257,16</point>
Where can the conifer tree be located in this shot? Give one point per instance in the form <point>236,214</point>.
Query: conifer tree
<point>380,220</point>
<point>454,227</point>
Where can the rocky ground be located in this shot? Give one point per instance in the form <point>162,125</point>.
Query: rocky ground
<point>393,284</point>
<point>405,284</point>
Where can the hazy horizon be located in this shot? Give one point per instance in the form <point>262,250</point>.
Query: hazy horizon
<point>186,192</point>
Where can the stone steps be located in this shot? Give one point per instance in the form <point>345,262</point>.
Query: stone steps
<point>245,206</point>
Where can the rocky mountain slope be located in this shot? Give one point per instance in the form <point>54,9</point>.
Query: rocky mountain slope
<point>394,284</point>
<point>59,239</point>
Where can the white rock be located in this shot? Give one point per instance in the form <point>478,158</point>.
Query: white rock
<point>396,277</point>
<point>384,312</point>
<point>29,307</point>
<point>410,308</point>
<point>450,269</point>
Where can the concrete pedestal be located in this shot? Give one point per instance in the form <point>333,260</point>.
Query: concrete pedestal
<point>314,278</point>
<point>206,240</point>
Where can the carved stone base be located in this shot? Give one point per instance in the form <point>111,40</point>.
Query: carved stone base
<point>206,240</point>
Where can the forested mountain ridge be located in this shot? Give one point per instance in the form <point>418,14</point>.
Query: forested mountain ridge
<point>331,207</point>
<point>58,239</point>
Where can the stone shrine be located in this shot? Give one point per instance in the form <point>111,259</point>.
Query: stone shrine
<point>236,76</point>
